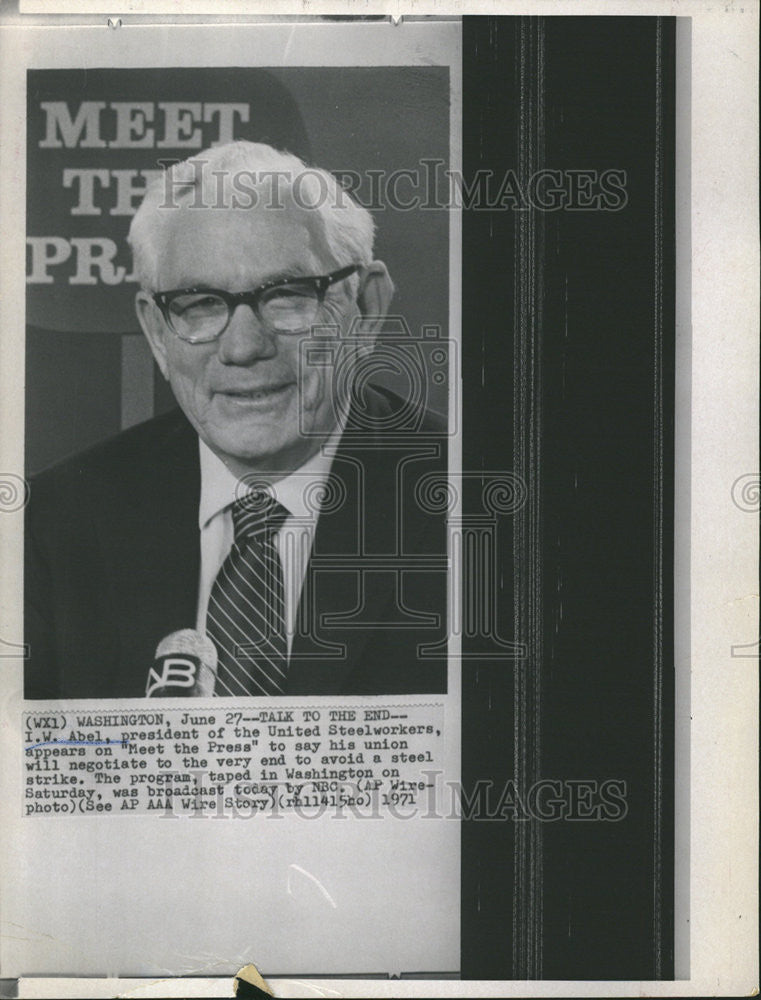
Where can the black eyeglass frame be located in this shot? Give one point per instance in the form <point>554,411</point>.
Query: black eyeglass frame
<point>320,283</point>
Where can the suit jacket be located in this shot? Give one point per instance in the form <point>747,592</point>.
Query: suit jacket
<point>112,562</point>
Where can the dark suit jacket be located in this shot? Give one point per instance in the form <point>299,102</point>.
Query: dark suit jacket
<point>112,563</point>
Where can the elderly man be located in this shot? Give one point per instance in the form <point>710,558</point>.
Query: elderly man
<point>278,513</point>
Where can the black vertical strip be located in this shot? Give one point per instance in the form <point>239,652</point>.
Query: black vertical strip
<point>527,523</point>
<point>658,497</point>
<point>488,283</point>
<point>568,378</point>
<point>607,496</point>
<point>664,321</point>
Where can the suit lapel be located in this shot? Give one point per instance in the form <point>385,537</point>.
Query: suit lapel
<point>337,581</point>
<point>151,540</point>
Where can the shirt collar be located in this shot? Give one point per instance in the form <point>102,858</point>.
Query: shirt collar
<point>220,487</point>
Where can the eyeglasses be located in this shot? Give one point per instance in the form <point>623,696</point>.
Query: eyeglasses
<point>202,314</point>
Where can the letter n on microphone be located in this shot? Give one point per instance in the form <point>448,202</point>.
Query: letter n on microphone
<point>176,672</point>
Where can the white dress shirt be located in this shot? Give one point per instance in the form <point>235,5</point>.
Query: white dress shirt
<point>220,488</point>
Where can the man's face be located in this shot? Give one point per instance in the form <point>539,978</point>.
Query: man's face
<point>246,393</point>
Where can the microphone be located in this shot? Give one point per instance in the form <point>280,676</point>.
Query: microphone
<point>185,666</point>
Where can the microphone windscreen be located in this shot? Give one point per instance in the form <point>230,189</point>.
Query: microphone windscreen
<point>185,666</point>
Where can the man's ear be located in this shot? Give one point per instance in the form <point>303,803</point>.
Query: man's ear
<point>152,325</point>
<point>376,289</point>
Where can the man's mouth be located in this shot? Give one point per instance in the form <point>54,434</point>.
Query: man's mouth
<point>263,393</point>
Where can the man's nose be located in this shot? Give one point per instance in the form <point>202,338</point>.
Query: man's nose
<point>246,339</point>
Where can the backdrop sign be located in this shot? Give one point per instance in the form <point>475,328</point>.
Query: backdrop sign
<point>95,140</point>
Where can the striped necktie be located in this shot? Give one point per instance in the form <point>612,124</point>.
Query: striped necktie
<point>245,616</point>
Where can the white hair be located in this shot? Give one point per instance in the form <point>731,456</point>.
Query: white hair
<point>240,175</point>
